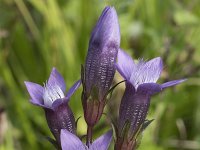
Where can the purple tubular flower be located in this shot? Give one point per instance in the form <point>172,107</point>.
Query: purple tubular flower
<point>99,68</point>
<point>51,97</point>
<point>141,84</point>
<point>70,141</point>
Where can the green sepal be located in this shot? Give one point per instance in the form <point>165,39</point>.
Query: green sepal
<point>138,136</point>
<point>109,93</point>
<point>82,75</point>
<point>146,124</point>
<point>125,129</point>
<point>114,128</point>
<point>76,123</point>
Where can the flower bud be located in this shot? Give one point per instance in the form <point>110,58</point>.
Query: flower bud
<point>98,74</point>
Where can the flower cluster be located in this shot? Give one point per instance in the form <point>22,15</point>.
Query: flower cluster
<point>104,57</point>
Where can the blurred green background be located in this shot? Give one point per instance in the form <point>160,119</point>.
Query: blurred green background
<point>36,35</point>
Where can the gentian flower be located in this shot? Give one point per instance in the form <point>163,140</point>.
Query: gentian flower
<point>70,141</point>
<point>51,97</point>
<point>98,74</point>
<point>141,84</point>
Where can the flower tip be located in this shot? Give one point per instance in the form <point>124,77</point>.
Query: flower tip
<point>115,25</point>
<point>159,59</point>
<point>172,83</point>
<point>56,79</point>
<point>54,73</point>
<point>107,28</point>
<point>25,82</point>
<point>110,8</point>
<point>157,63</point>
<point>160,63</point>
<point>73,89</point>
<point>28,84</point>
<point>183,80</point>
<point>35,91</point>
<point>54,70</point>
<point>107,9</point>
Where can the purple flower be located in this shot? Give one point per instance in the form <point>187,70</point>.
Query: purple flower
<point>70,141</point>
<point>99,68</point>
<point>141,84</point>
<point>51,97</point>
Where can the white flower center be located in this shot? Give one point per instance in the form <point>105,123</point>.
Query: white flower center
<point>52,93</point>
<point>145,72</point>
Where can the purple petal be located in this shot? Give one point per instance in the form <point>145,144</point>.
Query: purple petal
<point>70,142</point>
<point>73,89</point>
<point>155,67</point>
<point>56,79</point>
<point>99,22</point>
<point>147,72</point>
<point>57,103</point>
<point>107,28</point>
<point>41,105</point>
<point>149,88</point>
<point>102,142</point>
<point>125,65</point>
<point>36,92</point>
<point>172,83</point>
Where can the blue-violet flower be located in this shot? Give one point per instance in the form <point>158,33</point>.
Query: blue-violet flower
<point>51,97</point>
<point>141,84</point>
